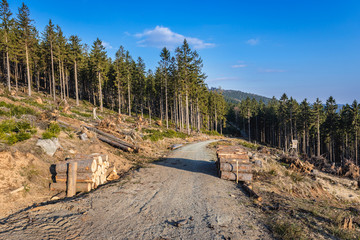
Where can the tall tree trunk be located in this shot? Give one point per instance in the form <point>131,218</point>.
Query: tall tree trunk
<point>60,78</point>
<point>187,111</point>
<point>166,104</point>
<point>318,136</point>
<point>8,65</point>
<point>119,97</point>
<point>149,112</point>
<point>38,81</point>
<point>16,76</point>
<point>129,103</point>
<point>76,84</point>
<point>52,72</point>
<point>304,142</point>
<point>28,69</point>
<point>356,147</point>
<point>100,92</point>
<point>198,115</point>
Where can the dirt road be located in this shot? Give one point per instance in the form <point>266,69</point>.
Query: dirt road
<point>179,198</point>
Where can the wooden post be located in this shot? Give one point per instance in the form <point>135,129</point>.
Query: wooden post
<point>237,171</point>
<point>71,179</point>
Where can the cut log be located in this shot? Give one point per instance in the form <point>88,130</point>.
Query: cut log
<point>102,179</point>
<point>104,157</point>
<point>233,160</point>
<point>175,146</point>
<point>84,165</point>
<point>80,187</point>
<point>80,177</point>
<point>232,155</point>
<point>231,167</point>
<point>232,176</point>
<point>115,144</point>
<point>113,138</point>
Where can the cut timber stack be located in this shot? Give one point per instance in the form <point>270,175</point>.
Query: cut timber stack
<point>90,173</point>
<point>233,163</point>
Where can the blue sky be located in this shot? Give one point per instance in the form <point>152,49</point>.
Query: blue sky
<point>306,49</point>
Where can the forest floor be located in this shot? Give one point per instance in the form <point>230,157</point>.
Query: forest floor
<point>162,194</point>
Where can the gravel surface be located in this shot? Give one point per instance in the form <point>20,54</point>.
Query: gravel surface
<point>178,198</point>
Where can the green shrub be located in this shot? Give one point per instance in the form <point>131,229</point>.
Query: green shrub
<point>52,131</point>
<point>14,110</point>
<point>12,132</point>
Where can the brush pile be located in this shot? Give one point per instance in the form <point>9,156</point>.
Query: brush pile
<point>296,164</point>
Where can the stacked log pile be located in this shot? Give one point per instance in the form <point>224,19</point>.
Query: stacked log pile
<point>90,172</point>
<point>233,163</point>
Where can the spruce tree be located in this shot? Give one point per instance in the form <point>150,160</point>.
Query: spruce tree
<point>27,37</point>
<point>5,29</point>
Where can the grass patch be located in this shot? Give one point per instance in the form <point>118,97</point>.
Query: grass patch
<point>10,110</point>
<point>248,145</point>
<point>12,132</point>
<point>52,131</point>
<point>87,115</point>
<point>211,133</point>
<point>156,135</point>
<point>286,230</point>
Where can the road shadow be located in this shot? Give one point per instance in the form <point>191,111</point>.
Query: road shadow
<point>190,165</point>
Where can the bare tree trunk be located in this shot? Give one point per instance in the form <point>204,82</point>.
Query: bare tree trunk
<point>52,72</point>
<point>198,115</point>
<point>166,104</point>
<point>187,112</point>
<point>28,69</point>
<point>60,78</point>
<point>356,147</point>
<point>8,65</point>
<point>67,83</point>
<point>129,103</point>
<point>76,84</point>
<point>63,79</point>
<point>38,81</point>
<point>318,136</point>
<point>149,112</point>
<point>16,76</point>
<point>100,93</point>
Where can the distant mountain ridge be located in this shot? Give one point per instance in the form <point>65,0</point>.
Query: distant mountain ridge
<point>235,96</point>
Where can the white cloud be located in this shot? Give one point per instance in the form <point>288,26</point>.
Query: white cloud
<point>253,41</point>
<point>269,70</point>
<point>239,66</point>
<point>160,37</point>
<point>106,45</point>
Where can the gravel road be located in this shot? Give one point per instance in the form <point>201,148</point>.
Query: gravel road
<point>178,198</point>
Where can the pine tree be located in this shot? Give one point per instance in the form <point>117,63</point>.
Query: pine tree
<point>355,110</point>
<point>5,29</point>
<point>76,54</point>
<point>164,65</point>
<point>98,58</point>
<point>49,38</point>
<point>27,38</point>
